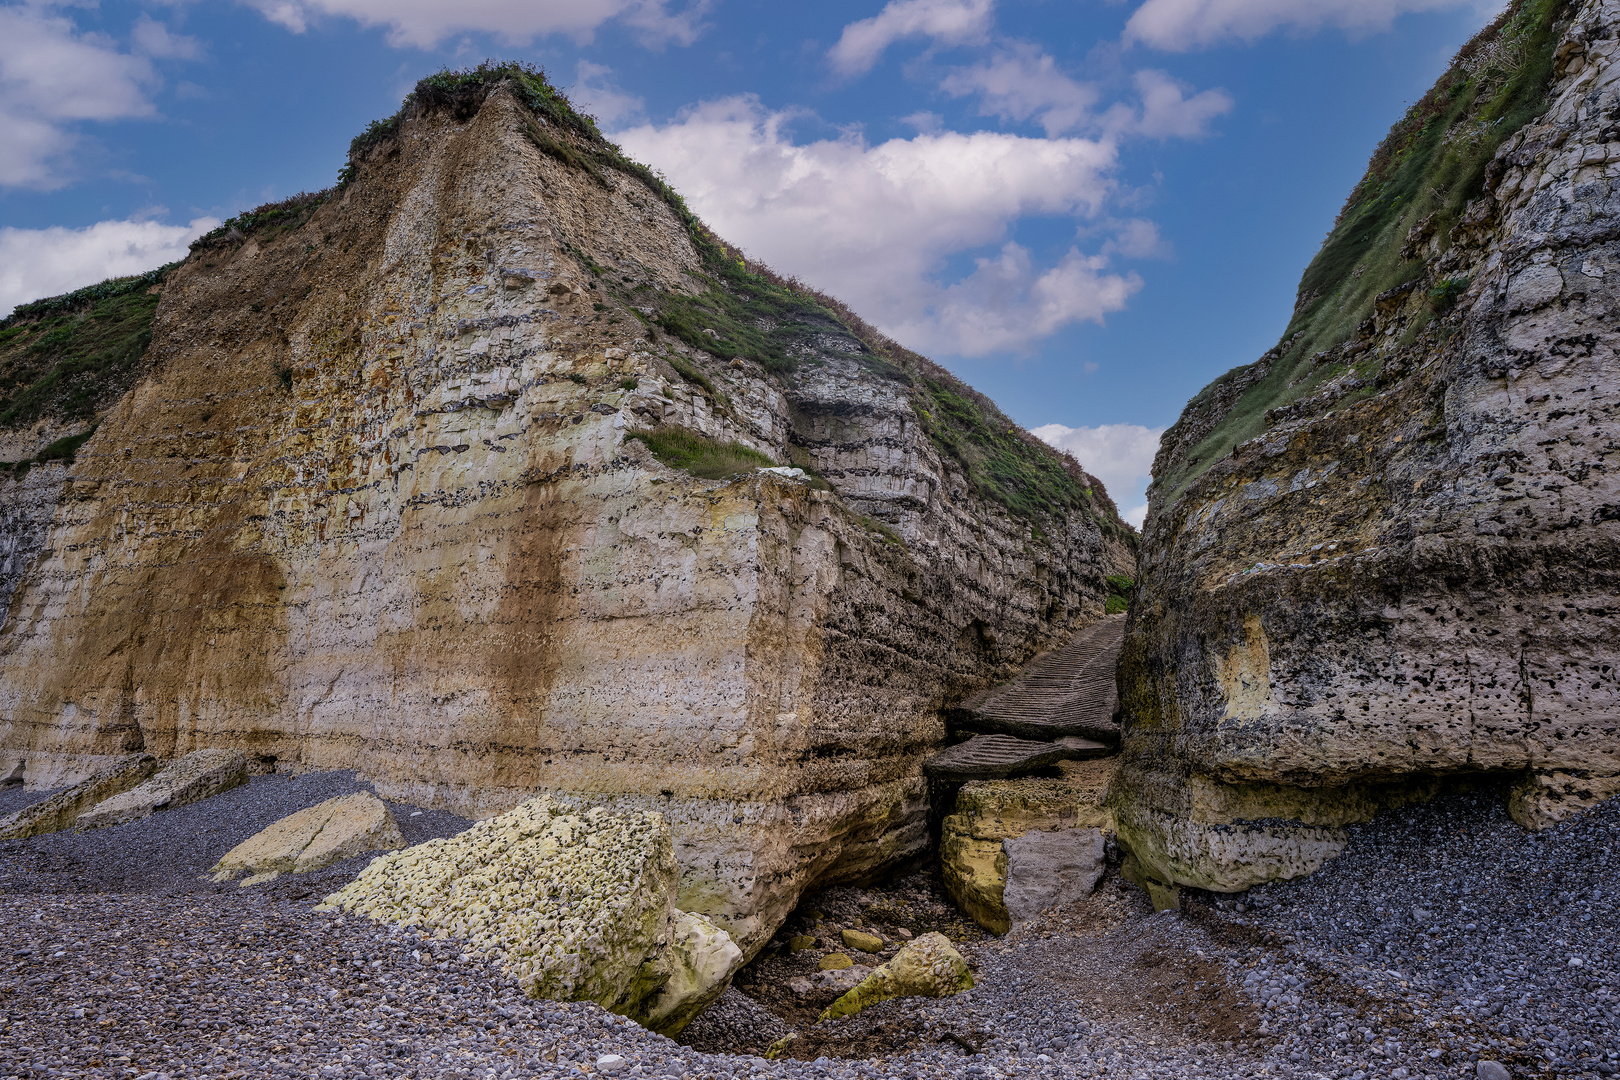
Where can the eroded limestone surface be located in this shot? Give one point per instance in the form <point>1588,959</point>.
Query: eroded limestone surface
<point>973,854</point>
<point>1414,570</point>
<point>578,907</point>
<point>198,775</point>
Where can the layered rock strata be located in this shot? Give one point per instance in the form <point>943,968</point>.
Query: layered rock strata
<point>1408,566</point>
<point>372,505</point>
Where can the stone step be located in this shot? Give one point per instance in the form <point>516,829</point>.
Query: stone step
<point>1069,691</point>
<point>998,757</point>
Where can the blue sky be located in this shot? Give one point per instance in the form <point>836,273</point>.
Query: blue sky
<point>1085,208</point>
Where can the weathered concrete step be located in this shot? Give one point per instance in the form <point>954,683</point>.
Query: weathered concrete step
<point>997,757</point>
<point>1069,691</point>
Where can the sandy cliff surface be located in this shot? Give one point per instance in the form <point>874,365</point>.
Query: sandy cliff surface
<point>371,505</point>
<point>1387,553</point>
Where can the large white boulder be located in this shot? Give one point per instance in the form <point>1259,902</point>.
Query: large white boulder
<point>578,906</point>
<point>317,836</point>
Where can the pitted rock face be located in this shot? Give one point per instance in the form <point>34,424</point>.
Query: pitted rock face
<point>1414,570</point>
<point>372,506</point>
<point>578,907</point>
<point>196,776</point>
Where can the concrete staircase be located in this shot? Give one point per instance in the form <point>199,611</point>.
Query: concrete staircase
<point>1061,707</point>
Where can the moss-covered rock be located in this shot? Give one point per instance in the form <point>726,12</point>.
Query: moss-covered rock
<point>927,967</point>
<point>577,906</point>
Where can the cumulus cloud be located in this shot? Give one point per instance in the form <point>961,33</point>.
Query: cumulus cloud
<point>876,224</point>
<point>595,91</point>
<point>1168,113</point>
<point>424,23</point>
<point>50,76</point>
<point>152,38</point>
<point>1182,25</point>
<point>1023,83</point>
<point>47,262</point>
<point>1008,302</point>
<point>1120,455</point>
<point>949,22</point>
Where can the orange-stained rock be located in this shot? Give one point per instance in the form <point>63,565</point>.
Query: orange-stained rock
<point>372,507</point>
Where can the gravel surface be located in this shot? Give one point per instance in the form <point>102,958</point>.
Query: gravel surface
<point>14,797</point>
<point>119,962</point>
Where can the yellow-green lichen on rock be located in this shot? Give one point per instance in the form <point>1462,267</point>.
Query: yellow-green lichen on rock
<point>578,906</point>
<point>927,967</point>
<point>988,812</point>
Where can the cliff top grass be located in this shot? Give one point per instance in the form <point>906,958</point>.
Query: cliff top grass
<point>1422,176</point>
<point>69,356</point>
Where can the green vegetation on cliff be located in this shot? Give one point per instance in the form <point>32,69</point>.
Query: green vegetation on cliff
<point>1417,186</point>
<point>680,448</point>
<point>748,310</point>
<point>68,356</point>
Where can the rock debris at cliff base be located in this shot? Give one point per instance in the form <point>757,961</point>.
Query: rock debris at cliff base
<point>119,962</point>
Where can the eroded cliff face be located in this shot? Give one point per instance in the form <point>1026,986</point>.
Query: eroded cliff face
<point>372,506</point>
<point>1409,568</point>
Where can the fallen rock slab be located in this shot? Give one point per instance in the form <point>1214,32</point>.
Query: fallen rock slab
<point>972,852</point>
<point>1047,870</point>
<point>189,779</point>
<point>64,808</point>
<point>336,829</point>
<point>928,967</point>
<point>578,906</point>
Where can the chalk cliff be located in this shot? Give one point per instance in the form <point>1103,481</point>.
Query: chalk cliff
<point>371,503</point>
<point>1388,553</point>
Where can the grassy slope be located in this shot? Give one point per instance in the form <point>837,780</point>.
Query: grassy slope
<point>68,356</point>
<point>1426,170</point>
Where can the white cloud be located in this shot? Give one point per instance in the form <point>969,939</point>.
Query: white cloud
<point>424,23</point>
<point>152,38</point>
<point>1139,238</point>
<point>1120,455</point>
<point>1167,113</point>
<point>50,76</point>
<point>47,262</point>
<point>594,92</point>
<point>1024,82</point>
<point>949,22</point>
<point>1007,302</point>
<point>1180,25</point>
<point>876,224</point>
